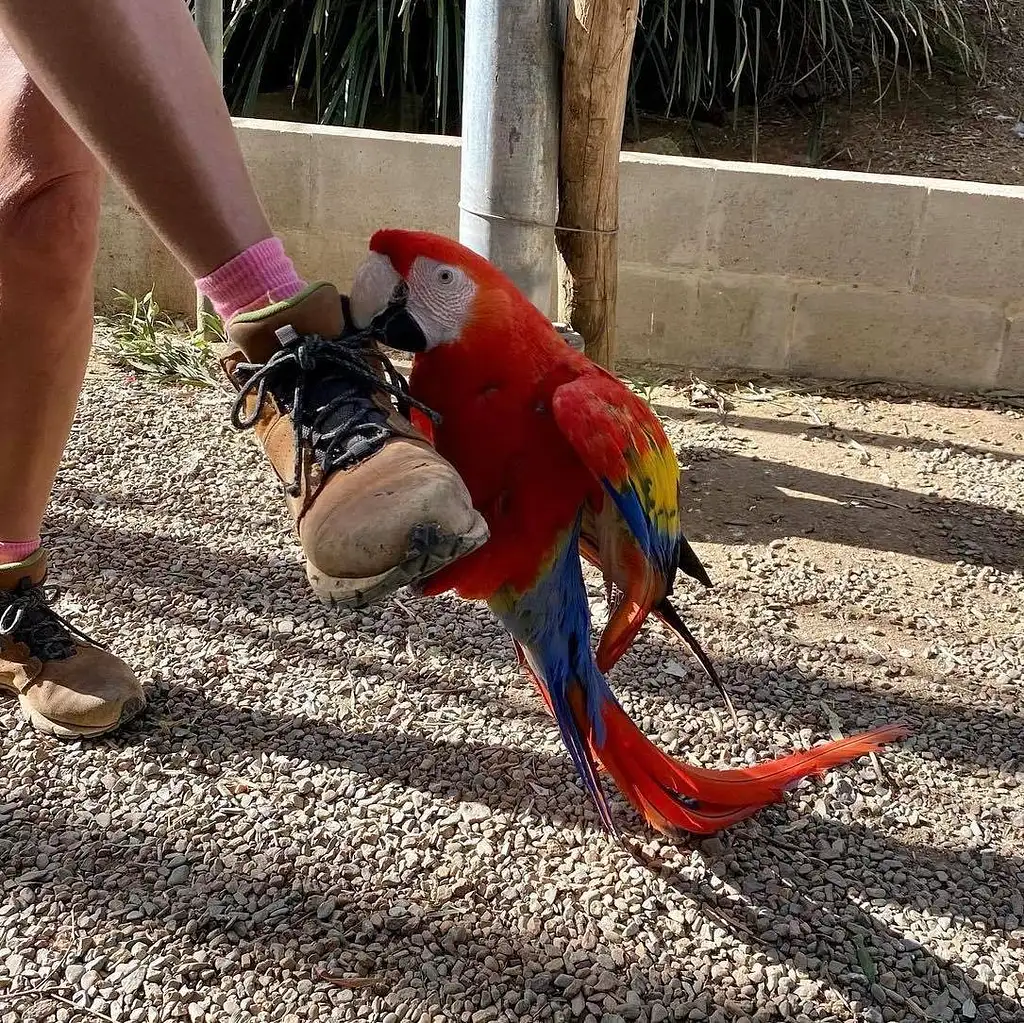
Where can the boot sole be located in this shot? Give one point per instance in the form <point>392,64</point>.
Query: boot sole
<point>64,730</point>
<point>430,550</point>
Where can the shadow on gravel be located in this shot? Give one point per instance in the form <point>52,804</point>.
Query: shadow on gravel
<point>796,426</point>
<point>989,734</point>
<point>736,499</point>
<point>805,896</point>
<point>825,874</point>
<point>806,884</point>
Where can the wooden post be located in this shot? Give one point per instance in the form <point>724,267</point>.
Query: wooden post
<point>595,77</point>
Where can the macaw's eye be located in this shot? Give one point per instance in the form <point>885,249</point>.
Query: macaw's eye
<point>445,275</point>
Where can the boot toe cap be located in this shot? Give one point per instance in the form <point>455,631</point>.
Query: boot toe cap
<point>88,694</point>
<point>364,523</point>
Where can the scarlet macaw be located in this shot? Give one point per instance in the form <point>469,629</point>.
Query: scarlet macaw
<point>560,457</point>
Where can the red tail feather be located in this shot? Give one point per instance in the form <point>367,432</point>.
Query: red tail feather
<point>673,796</point>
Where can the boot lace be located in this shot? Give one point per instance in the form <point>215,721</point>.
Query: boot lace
<point>327,386</point>
<point>27,617</point>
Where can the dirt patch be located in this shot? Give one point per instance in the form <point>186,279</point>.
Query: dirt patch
<point>896,522</point>
<point>938,126</point>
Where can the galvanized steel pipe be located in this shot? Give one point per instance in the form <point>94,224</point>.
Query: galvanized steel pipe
<point>209,15</point>
<point>510,141</point>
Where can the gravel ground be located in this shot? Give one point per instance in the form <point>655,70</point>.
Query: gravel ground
<point>368,816</point>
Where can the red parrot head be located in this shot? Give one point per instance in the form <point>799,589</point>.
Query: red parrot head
<point>419,291</point>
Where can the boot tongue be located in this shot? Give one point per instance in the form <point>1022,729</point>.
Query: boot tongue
<point>344,402</point>
<point>308,353</point>
<point>317,311</point>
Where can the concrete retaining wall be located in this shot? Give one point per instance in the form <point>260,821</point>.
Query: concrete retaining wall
<point>724,266</point>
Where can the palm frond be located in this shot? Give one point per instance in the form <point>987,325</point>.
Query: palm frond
<point>354,59</point>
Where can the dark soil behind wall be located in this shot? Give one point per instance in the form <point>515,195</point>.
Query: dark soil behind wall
<point>937,126</point>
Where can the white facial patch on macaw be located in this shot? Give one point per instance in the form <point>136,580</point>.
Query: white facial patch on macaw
<point>372,288</point>
<point>440,298</point>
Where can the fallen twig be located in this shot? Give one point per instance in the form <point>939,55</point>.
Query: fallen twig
<point>874,500</point>
<point>348,983</point>
<point>13,996</point>
<point>82,1008</point>
<point>408,612</point>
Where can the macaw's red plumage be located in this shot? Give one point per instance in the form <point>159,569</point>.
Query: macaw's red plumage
<point>561,459</point>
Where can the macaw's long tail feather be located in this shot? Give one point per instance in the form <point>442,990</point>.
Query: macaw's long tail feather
<point>549,623</point>
<point>570,710</point>
<point>691,564</point>
<point>627,613</point>
<point>670,795</point>
<point>630,613</point>
<point>668,614</point>
<point>567,703</point>
<point>626,621</point>
<point>675,797</point>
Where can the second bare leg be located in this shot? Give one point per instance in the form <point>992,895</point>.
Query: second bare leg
<point>49,215</point>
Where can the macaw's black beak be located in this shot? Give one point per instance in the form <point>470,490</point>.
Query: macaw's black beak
<point>397,327</point>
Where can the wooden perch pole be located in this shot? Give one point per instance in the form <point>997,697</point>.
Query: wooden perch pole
<point>595,78</point>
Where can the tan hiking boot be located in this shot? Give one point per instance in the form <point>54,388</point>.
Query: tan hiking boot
<point>375,507</point>
<point>66,684</point>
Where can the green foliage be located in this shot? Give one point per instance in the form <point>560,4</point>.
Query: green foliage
<point>345,54</point>
<point>142,337</point>
<point>351,59</point>
<point>694,55</point>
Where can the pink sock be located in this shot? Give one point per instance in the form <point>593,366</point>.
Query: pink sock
<point>258,277</point>
<point>13,551</point>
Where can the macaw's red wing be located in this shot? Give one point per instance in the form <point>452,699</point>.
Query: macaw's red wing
<point>631,530</point>
<point>633,523</point>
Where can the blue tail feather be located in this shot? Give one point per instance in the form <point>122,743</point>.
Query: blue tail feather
<point>552,623</point>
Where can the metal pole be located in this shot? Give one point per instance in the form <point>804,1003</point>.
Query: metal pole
<point>209,15</point>
<point>510,141</point>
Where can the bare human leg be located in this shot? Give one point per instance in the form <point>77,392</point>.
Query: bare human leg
<point>49,213</point>
<point>133,81</point>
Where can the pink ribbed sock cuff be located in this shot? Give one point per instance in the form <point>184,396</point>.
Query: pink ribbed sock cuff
<point>260,276</point>
<point>13,551</point>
